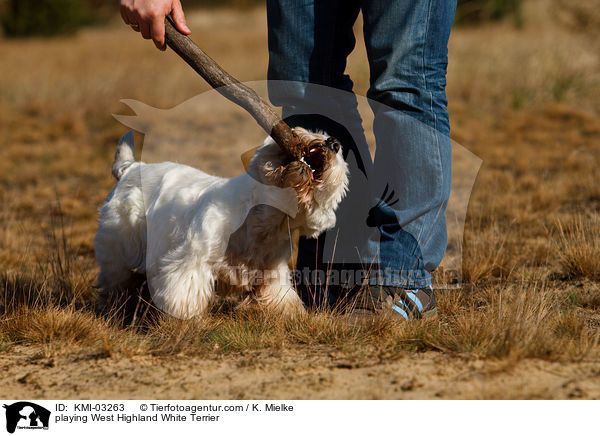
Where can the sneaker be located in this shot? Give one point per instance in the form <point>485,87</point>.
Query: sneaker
<point>404,303</point>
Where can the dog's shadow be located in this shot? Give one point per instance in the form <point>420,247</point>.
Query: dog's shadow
<point>131,305</point>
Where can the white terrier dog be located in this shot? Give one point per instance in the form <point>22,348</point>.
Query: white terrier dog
<point>186,230</point>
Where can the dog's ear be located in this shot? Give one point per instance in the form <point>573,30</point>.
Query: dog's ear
<point>297,175</point>
<point>275,177</point>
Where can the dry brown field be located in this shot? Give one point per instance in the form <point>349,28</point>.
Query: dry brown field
<point>525,324</point>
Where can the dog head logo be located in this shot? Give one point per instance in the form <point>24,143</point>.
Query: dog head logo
<point>366,217</point>
<point>26,415</point>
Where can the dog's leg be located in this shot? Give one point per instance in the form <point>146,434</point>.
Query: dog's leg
<point>119,245</point>
<point>277,292</point>
<point>183,290</point>
<point>112,280</point>
<point>127,301</point>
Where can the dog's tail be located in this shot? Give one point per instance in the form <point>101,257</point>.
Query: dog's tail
<point>125,155</point>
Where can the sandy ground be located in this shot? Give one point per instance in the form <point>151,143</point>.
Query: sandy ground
<point>309,373</point>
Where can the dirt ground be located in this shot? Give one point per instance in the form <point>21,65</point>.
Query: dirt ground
<point>310,373</point>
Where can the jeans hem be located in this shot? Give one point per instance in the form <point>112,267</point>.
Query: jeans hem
<point>408,284</point>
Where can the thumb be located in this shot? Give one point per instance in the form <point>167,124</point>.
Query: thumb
<point>179,18</point>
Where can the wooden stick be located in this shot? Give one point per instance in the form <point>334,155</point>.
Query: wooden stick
<point>232,89</point>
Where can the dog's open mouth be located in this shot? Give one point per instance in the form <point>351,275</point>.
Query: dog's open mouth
<point>315,158</point>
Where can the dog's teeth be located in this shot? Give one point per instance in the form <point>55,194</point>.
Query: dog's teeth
<point>306,163</point>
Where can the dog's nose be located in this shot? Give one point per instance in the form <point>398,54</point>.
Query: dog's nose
<point>332,144</point>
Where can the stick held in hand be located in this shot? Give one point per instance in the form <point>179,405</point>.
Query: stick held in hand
<point>232,89</point>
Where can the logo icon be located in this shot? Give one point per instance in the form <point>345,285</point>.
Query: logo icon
<point>26,415</point>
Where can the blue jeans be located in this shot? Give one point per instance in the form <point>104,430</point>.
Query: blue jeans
<point>401,206</point>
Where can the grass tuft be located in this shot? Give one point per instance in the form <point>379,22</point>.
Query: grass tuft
<point>579,247</point>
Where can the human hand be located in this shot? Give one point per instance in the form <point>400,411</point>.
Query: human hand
<point>148,17</point>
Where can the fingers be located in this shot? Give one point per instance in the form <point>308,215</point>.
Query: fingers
<point>145,29</point>
<point>179,17</point>
<point>149,18</point>
<point>124,14</point>
<point>127,14</point>
<point>158,33</point>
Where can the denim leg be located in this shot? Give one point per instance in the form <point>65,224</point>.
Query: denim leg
<point>406,44</point>
<point>403,206</point>
<point>309,42</point>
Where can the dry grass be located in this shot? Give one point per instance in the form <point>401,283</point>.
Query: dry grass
<point>579,247</point>
<point>525,101</point>
<point>487,256</point>
<point>521,321</point>
<point>495,320</point>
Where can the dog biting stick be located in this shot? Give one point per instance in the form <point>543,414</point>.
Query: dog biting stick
<point>186,231</point>
<point>235,91</point>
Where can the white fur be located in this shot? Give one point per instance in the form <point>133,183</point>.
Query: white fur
<point>186,229</point>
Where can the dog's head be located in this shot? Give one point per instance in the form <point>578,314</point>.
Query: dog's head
<point>320,177</point>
